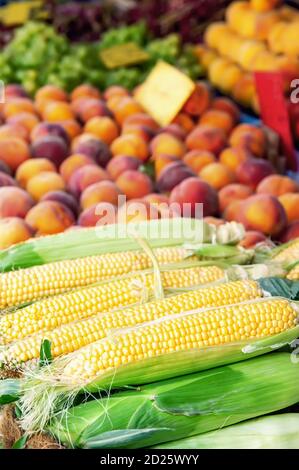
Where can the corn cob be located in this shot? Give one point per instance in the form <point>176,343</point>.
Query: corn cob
<point>288,253</point>
<point>205,328</point>
<point>27,285</point>
<point>75,335</point>
<point>52,312</point>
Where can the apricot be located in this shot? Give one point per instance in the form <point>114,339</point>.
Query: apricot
<point>26,120</point>
<point>199,101</point>
<point>227,105</point>
<point>90,107</point>
<point>115,90</point>
<point>57,111</point>
<point>31,168</point>
<point>252,238</point>
<point>104,191</point>
<point>264,213</point>
<point>166,143</point>
<point>142,119</point>
<point>233,210</point>
<point>14,202</point>
<point>51,92</point>
<point>72,163</point>
<point>126,107</point>
<point>219,119</point>
<point>290,233</point>
<point>120,163</point>
<point>85,91</point>
<point>217,175</point>
<point>208,138</point>
<point>252,171</point>
<point>84,177</point>
<point>17,106</point>
<point>98,214</point>
<point>93,147</point>
<point>102,127</point>
<point>13,152</point>
<point>13,230</point>
<point>185,121</point>
<point>44,129</point>
<point>161,161</point>
<point>172,175</point>
<point>174,129</point>
<point>264,5</point>
<point>112,103</point>
<point>71,127</point>
<point>277,185</point>
<point>137,210</point>
<point>145,133</point>
<point>44,182</point>
<point>290,203</point>
<point>232,157</point>
<point>13,130</point>
<point>243,90</point>
<point>200,198</point>
<point>13,90</point>
<point>233,192</point>
<point>6,180</point>
<point>50,217</point>
<point>134,184</point>
<point>51,147</point>
<point>64,198</point>
<point>198,159</point>
<point>250,137</point>
<point>132,145</point>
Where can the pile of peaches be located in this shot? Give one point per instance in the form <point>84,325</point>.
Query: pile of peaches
<point>64,156</point>
<point>257,35</point>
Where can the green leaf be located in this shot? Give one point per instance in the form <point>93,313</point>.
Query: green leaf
<point>280,287</point>
<point>10,390</point>
<point>45,357</point>
<point>20,443</point>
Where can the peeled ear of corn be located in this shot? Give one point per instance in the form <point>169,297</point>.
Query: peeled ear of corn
<point>27,285</point>
<point>183,343</point>
<point>168,347</point>
<point>73,336</point>
<point>52,312</point>
<point>288,252</point>
<point>185,406</point>
<point>270,432</point>
<point>114,238</point>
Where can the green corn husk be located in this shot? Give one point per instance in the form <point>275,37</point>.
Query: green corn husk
<point>181,407</point>
<point>269,432</point>
<point>104,239</point>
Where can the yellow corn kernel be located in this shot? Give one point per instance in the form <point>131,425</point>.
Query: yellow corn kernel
<point>52,312</point>
<point>256,319</point>
<point>27,285</point>
<point>75,335</point>
<point>289,254</point>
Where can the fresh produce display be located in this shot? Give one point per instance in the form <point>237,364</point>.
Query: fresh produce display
<point>255,36</point>
<point>149,236</point>
<point>65,156</point>
<point>154,319</point>
<point>37,55</point>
